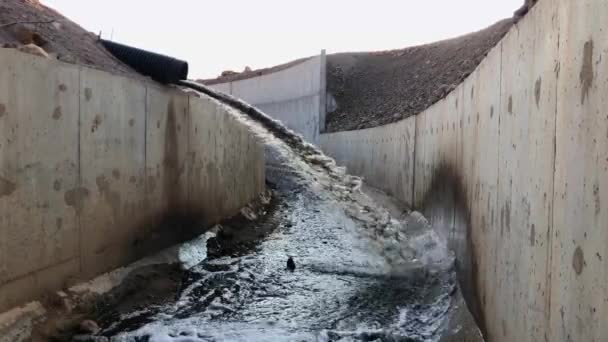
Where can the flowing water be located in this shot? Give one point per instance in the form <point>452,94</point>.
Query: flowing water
<point>361,275</point>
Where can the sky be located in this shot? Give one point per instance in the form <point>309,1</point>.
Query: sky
<point>218,35</point>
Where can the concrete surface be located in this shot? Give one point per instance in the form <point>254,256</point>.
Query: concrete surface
<point>299,105</point>
<point>92,164</point>
<point>512,167</point>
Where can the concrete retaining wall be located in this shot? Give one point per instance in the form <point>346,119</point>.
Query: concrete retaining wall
<point>91,164</point>
<point>299,105</point>
<point>513,168</point>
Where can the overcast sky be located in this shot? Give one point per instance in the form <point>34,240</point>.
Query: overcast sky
<point>217,35</point>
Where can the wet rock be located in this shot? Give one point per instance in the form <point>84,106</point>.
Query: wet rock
<point>291,265</point>
<point>249,214</point>
<point>61,301</point>
<point>89,338</point>
<point>89,327</point>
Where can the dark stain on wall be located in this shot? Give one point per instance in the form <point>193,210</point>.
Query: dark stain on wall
<point>112,198</point>
<point>586,75</point>
<point>75,198</point>
<point>510,105</point>
<point>597,198</point>
<point>508,216</point>
<point>96,122</point>
<point>171,160</point>
<point>533,235</point>
<point>578,261</point>
<point>7,187</point>
<point>57,113</point>
<point>88,94</point>
<point>537,91</point>
<point>2,110</point>
<point>57,185</point>
<point>446,202</point>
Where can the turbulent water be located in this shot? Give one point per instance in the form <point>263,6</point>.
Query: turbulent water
<point>360,274</point>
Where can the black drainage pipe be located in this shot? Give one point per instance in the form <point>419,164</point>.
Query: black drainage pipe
<point>161,68</point>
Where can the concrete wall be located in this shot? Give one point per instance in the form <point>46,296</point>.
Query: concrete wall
<point>513,168</point>
<point>91,164</point>
<point>299,105</point>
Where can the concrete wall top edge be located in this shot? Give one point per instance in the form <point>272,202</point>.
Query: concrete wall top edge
<point>278,86</point>
<point>69,66</point>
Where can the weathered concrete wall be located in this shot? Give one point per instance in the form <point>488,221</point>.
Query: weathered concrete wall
<point>299,105</point>
<point>513,168</point>
<point>386,162</point>
<point>91,164</point>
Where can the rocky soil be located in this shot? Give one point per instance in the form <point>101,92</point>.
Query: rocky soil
<point>377,88</point>
<point>31,27</point>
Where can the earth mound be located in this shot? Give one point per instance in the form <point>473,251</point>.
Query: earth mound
<point>377,88</point>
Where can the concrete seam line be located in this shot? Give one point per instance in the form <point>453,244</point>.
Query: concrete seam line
<point>549,260</point>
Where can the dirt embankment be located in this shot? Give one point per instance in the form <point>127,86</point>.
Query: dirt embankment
<point>231,76</point>
<point>30,26</point>
<point>376,88</point>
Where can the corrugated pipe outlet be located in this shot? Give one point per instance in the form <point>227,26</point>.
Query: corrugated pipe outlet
<point>161,68</point>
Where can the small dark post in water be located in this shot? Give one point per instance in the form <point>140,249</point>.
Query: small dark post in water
<point>291,265</point>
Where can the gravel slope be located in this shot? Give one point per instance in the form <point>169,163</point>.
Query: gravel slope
<point>376,88</point>
<point>28,21</point>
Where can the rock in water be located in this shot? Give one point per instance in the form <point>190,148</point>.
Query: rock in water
<point>89,327</point>
<point>291,265</point>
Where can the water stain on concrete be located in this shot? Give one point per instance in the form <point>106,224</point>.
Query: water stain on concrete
<point>537,91</point>
<point>59,223</point>
<point>96,122</point>
<point>508,216</point>
<point>88,94</point>
<point>597,199</point>
<point>132,180</point>
<point>102,184</point>
<point>116,174</point>
<point>2,110</point>
<point>472,92</point>
<point>62,87</point>
<point>57,185</point>
<point>151,183</point>
<point>533,235</point>
<point>7,187</point>
<point>131,122</point>
<point>510,106</point>
<point>491,111</point>
<point>586,75</point>
<point>112,198</point>
<point>171,158</point>
<point>57,113</point>
<point>578,261</point>
<point>75,198</point>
